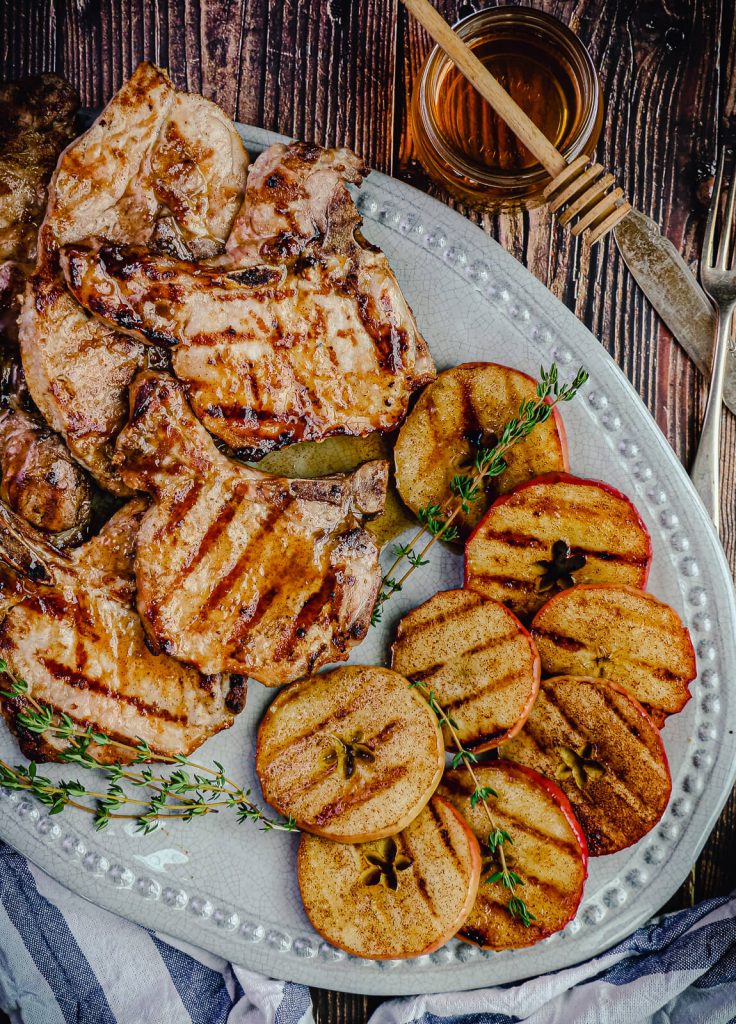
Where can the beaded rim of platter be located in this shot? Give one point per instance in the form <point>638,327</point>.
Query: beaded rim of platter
<point>703,768</point>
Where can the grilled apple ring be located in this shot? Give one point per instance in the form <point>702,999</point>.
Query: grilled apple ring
<point>623,634</point>
<point>547,850</point>
<point>551,533</point>
<point>398,897</point>
<point>603,750</point>
<point>466,408</point>
<point>353,754</point>
<point>477,658</point>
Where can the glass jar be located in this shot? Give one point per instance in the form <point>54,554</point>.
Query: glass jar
<point>461,142</point>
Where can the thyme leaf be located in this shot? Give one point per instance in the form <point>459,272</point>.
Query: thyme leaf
<point>437,521</point>
<point>188,791</point>
<point>497,837</point>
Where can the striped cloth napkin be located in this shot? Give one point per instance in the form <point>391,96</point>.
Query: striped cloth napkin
<point>65,961</point>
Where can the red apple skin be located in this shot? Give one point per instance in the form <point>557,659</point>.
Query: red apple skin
<point>556,414</point>
<point>565,806</point>
<point>634,590</point>
<point>554,478</point>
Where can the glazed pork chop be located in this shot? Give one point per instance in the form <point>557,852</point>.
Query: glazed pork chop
<point>306,335</point>
<point>159,168</point>
<point>36,123</point>
<point>40,480</point>
<point>69,628</point>
<point>238,570</point>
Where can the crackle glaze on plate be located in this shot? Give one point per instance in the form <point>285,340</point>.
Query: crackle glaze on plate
<point>231,889</point>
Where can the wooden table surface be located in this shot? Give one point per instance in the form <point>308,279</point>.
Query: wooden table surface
<point>341,71</point>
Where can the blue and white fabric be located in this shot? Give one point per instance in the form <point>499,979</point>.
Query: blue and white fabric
<point>65,961</point>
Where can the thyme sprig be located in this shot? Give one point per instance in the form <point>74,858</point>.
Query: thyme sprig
<point>438,520</point>
<point>189,791</point>
<point>497,837</point>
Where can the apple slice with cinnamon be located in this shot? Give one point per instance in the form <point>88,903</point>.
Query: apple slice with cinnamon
<point>402,896</point>
<point>552,533</point>
<point>477,658</point>
<point>603,750</point>
<point>623,634</point>
<point>547,850</point>
<point>466,408</point>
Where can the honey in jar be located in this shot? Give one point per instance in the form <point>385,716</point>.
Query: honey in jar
<point>466,146</point>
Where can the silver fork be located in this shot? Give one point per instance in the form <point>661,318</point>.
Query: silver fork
<point>718,278</point>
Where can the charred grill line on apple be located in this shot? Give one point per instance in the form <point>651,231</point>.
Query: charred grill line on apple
<point>438,519</point>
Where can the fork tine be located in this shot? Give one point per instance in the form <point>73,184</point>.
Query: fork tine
<point>710,224</point>
<point>724,246</point>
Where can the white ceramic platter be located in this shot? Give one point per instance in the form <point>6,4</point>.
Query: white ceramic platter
<point>231,889</point>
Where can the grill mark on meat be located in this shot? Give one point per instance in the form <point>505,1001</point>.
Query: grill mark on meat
<point>251,555</point>
<point>219,523</point>
<point>248,620</point>
<point>54,606</point>
<point>79,681</point>
<point>361,796</point>
<point>181,506</point>
<point>307,616</point>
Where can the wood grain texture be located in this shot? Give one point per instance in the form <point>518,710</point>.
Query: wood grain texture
<point>340,71</point>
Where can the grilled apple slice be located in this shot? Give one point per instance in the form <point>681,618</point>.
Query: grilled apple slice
<point>477,658</point>
<point>623,634</point>
<point>395,898</point>
<point>554,532</point>
<point>465,408</point>
<point>604,751</point>
<point>547,850</point>
<point>353,754</point>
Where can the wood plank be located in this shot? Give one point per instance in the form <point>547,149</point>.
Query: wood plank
<point>340,71</point>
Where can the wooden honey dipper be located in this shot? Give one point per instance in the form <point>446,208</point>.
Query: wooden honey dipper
<point>579,189</point>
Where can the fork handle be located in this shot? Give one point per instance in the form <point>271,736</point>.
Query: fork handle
<point>705,472</point>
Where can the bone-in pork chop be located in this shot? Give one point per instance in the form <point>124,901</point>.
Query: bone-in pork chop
<point>308,335</point>
<point>69,628</point>
<point>157,167</point>
<point>39,478</point>
<point>238,570</point>
<point>36,123</point>
<point>40,481</point>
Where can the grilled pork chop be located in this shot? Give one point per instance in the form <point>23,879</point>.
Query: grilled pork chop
<point>69,628</point>
<point>306,335</point>
<point>36,123</point>
<point>157,167</point>
<point>40,480</point>
<point>238,570</point>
